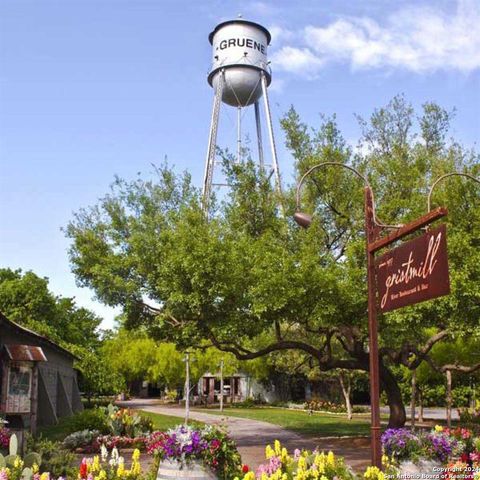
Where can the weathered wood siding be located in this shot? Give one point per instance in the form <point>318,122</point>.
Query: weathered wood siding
<point>58,393</point>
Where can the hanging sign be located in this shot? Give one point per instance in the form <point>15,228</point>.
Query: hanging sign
<point>413,272</point>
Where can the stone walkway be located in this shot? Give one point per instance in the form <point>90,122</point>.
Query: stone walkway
<point>253,435</point>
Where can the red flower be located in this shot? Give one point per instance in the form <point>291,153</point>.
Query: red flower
<point>245,469</point>
<point>464,458</point>
<point>215,444</point>
<point>83,470</point>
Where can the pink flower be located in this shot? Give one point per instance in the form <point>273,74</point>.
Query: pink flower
<point>475,457</point>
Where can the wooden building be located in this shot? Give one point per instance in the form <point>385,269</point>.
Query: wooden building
<point>38,383</point>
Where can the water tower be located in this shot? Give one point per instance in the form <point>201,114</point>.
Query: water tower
<point>240,77</point>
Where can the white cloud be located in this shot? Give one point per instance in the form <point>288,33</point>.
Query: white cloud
<point>297,60</point>
<point>280,34</point>
<point>277,85</point>
<point>416,38</point>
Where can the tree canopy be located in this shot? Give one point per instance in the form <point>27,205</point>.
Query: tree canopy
<point>247,280</point>
<point>26,299</point>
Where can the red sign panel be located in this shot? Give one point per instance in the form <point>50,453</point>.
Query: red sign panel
<point>413,272</point>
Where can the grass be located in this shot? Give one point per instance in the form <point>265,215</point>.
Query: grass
<point>318,424</point>
<point>164,422</point>
<point>55,433</point>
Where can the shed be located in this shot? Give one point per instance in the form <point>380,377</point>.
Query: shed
<point>38,384</point>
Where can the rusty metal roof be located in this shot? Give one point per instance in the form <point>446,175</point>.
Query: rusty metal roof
<point>16,326</point>
<point>25,353</point>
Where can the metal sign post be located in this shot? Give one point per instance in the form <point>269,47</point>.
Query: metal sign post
<point>375,242</point>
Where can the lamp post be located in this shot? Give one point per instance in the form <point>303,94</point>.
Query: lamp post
<point>374,242</point>
<point>372,228</point>
<point>187,386</point>
<point>443,177</point>
<point>221,385</point>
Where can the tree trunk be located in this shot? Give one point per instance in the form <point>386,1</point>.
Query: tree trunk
<point>346,389</point>
<point>412,403</point>
<point>390,386</point>
<point>420,406</point>
<point>449,398</point>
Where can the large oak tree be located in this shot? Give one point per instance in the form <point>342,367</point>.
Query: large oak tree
<point>250,282</point>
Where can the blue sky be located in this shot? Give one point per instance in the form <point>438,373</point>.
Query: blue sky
<point>94,88</point>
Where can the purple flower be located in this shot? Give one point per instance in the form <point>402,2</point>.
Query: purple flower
<point>400,443</point>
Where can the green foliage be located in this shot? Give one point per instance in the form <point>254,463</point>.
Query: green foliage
<point>56,459</point>
<point>249,281</point>
<point>26,299</point>
<point>91,419</point>
<point>19,468</point>
<point>96,377</point>
<point>80,439</point>
<point>126,422</point>
<point>135,356</point>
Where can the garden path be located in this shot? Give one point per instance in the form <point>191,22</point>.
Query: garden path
<point>253,435</point>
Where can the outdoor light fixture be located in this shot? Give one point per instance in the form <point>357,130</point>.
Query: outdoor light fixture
<point>460,174</point>
<point>303,219</point>
<point>374,243</point>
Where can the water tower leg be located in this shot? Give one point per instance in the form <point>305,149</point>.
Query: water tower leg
<point>275,169</point>
<point>212,142</point>
<point>259,137</point>
<point>239,134</point>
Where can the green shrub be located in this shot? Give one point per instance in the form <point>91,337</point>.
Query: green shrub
<point>56,459</point>
<point>251,402</point>
<point>80,439</point>
<point>97,402</point>
<point>93,419</point>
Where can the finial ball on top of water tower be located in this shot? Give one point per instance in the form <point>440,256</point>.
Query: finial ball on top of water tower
<point>240,51</point>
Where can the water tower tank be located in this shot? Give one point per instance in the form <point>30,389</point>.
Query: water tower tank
<point>240,51</point>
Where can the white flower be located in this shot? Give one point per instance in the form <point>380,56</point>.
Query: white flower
<point>114,458</point>
<point>103,453</point>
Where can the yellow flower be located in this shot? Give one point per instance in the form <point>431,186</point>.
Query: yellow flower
<point>264,476</point>
<point>95,464</point>
<point>331,459</point>
<point>34,468</point>
<point>45,476</point>
<point>374,473</point>
<point>278,447</point>
<point>269,452</point>
<point>102,475</point>
<point>438,428</point>
<point>323,477</point>
<point>120,469</point>
<point>136,455</point>
<point>249,476</point>
<point>18,463</point>
<point>136,468</point>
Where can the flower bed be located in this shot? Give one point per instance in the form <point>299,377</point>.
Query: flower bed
<point>110,467</point>
<point>319,405</point>
<point>100,467</point>
<point>4,437</point>
<point>302,465</point>
<point>185,445</point>
<point>450,454</point>
<point>122,428</point>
